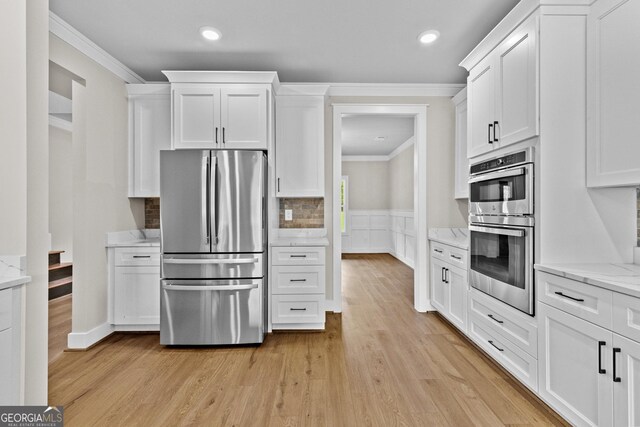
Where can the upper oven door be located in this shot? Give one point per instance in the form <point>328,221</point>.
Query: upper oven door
<point>504,192</point>
<point>501,263</point>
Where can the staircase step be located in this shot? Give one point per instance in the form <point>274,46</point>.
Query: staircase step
<point>55,252</point>
<point>54,257</point>
<point>60,282</point>
<point>59,266</point>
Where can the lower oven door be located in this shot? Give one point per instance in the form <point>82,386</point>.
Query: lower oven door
<point>211,312</point>
<point>501,262</point>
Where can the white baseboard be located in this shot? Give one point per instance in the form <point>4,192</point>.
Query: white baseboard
<point>84,340</point>
<point>402,259</point>
<point>136,328</point>
<point>366,251</point>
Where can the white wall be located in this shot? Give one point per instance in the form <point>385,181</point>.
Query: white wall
<point>443,210</point>
<point>369,184</point>
<point>99,180</point>
<point>61,192</point>
<point>401,180</point>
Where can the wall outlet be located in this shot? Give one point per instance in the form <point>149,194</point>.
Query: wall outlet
<point>288,214</point>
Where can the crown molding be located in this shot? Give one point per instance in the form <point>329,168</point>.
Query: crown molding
<point>260,77</point>
<point>393,89</point>
<point>380,158</point>
<point>61,29</point>
<point>460,96</point>
<point>303,89</point>
<point>408,143</point>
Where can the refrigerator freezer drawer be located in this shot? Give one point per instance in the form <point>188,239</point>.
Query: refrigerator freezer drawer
<point>227,266</point>
<point>211,312</point>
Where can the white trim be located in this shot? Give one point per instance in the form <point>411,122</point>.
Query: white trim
<point>248,77</point>
<point>136,328</point>
<point>393,89</point>
<point>407,144</point>
<point>460,96</point>
<point>347,224</point>
<point>61,29</point>
<point>59,123</point>
<point>84,340</point>
<point>365,158</point>
<point>161,89</point>
<point>302,89</point>
<point>419,111</point>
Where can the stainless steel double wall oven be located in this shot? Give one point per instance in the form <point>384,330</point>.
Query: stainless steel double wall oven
<point>501,224</point>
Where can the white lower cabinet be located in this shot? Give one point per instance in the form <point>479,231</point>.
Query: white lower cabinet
<point>297,287</point>
<point>134,288</point>
<point>11,346</point>
<point>449,284</point>
<point>589,373</point>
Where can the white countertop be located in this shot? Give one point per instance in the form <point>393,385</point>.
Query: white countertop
<point>10,282</point>
<point>299,241</point>
<point>132,238</point>
<point>458,237</point>
<point>298,237</point>
<point>623,278</point>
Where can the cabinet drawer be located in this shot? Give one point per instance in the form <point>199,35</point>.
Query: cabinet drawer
<point>521,331</point>
<point>521,364</point>
<point>298,255</point>
<point>626,316</point>
<point>308,279</point>
<point>457,257</point>
<point>297,308</point>
<point>5,309</point>
<point>584,301</point>
<point>440,251</point>
<point>137,256</point>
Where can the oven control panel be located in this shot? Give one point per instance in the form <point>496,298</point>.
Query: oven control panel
<point>500,162</point>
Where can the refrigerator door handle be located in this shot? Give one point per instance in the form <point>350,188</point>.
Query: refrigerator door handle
<point>205,221</point>
<point>214,200</point>
<point>209,288</point>
<point>210,261</point>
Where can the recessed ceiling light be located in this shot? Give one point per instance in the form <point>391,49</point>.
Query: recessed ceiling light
<point>428,36</point>
<point>210,33</point>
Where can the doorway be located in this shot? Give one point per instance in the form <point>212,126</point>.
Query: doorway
<point>415,118</point>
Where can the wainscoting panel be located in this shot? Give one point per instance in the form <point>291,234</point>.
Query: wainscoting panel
<point>381,231</point>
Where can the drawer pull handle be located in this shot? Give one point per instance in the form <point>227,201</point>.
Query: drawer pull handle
<point>459,258</point>
<point>600,345</point>
<point>494,319</point>
<point>499,349</point>
<point>297,256</point>
<point>142,256</point>
<point>437,250</point>
<point>616,379</point>
<point>570,297</point>
<point>297,280</point>
<point>298,309</point>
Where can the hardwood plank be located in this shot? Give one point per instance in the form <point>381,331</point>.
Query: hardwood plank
<point>379,363</point>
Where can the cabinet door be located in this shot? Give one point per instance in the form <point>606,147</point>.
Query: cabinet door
<point>457,296</point>
<point>516,89</point>
<point>439,294</point>
<point>613,60</point>
<point>300,146</point>
<point>626,392</point>
<point>7,369</point>
<point>481,107</point>
<point>150,133</point>
<point>461,161</point>
<point>569,375</point>
<point>244,118</point>
<point>137,296</point>
<point>196,116</point>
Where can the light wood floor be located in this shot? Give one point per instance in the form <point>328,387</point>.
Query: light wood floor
<point>59,325</point>
<point>380,363</point>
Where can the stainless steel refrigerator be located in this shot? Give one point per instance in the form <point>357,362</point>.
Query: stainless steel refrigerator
<point>213,243</point>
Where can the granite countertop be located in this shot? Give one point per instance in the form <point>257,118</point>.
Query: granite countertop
<point>11,281</point>
<point>133,238</point>
<point>458,237</point>
<point>13,271</point>
<point>623,278</point>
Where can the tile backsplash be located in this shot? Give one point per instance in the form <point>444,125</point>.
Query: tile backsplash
<point>307,213</point>
<point>152,212</point>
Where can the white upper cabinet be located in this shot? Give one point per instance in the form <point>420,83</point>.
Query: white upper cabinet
<point>149,132</point>
<point>461,179</point>
<point>502,93</point>
<point>300,146</point>
<point>613,111</point>
<point>220,116</point>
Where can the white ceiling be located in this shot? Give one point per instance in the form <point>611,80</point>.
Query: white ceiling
<point>359,133</point>
<point>337,41</point>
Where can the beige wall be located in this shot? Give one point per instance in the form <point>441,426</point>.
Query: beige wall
<point>401,180</point>
<point>368,185</point>
<point>100,180</point>
<point>443,210</point>
<point>60,192</point>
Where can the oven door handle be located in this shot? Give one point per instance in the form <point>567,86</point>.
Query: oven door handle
<point>501,231</point>
<point>497,175</point>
